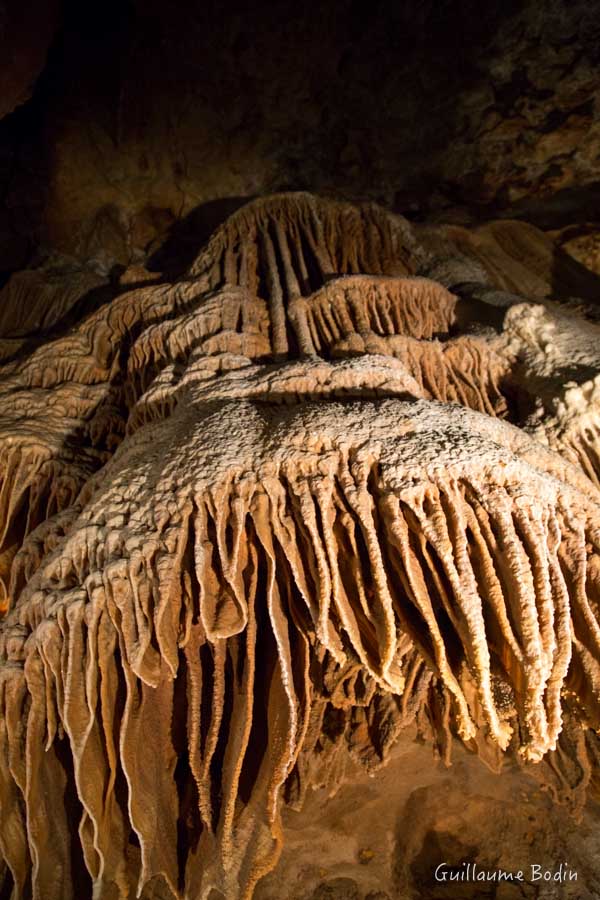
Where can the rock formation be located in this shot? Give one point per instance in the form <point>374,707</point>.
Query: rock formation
<point>342,470</point>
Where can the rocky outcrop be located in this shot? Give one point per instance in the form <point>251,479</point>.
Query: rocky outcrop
<point>261,523</point>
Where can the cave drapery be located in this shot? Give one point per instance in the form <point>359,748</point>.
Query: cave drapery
<point>341,463</point>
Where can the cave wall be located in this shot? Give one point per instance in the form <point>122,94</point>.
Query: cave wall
<point>146,112</point>
<point>23,49</point>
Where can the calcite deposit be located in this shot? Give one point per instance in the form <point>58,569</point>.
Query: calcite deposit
<point>336,485</point>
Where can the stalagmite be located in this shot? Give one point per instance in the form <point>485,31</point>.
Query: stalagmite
<point>328,528</point>
<point>256,523</point>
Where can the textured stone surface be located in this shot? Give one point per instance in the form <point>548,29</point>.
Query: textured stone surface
<point>383,838</point>
<point>582,242</point>
<point>279,522</point>
<point>448,109</point>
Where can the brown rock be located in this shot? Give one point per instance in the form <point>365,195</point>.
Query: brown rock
<point>245,552</point>
<point>26,31</point>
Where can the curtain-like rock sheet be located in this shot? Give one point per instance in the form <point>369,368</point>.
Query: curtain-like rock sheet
<point>288,245</point>
<point>254,525</point>
<point>169,639</point>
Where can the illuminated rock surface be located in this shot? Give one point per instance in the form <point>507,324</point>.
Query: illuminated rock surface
<point>334,489</point>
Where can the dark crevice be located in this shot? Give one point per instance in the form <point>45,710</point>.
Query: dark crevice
<point>74,814</point>
<point>266,662</point>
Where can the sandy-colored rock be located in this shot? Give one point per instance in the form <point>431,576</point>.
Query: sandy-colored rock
<point>516,256</point>
<point>34,300</point>
<point>259,533</point>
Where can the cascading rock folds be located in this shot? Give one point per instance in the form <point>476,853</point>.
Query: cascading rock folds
<point>336,466</point>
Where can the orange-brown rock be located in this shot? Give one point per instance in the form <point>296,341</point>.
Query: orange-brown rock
<point>256,531</point>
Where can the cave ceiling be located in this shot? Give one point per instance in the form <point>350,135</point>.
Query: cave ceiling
<point>141,114</point>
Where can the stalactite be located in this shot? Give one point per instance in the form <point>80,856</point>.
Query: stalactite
<point>347,529</point>
<point>257,524</point>
<point>416,307</point>
<point>288,245</point>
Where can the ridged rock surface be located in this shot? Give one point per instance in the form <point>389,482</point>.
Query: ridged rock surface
<point>262,526</point>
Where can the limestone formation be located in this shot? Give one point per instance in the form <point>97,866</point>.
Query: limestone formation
<point>288,246</point>
<point>258,522</point>
<point>35,300</point>
<point>559,362</point>
<point>515,256</point>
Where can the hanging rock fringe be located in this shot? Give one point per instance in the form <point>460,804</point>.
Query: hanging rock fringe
<point>257,523</point>
<point>350,534</point>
